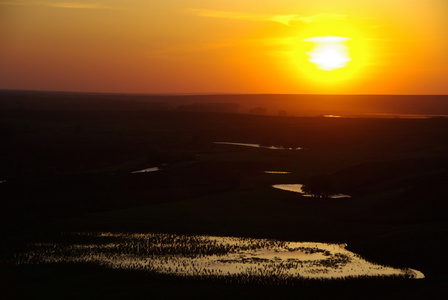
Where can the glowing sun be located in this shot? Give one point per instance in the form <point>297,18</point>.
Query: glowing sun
<point>329,53</point>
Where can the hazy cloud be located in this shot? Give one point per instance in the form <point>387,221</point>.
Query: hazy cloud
<point>282,19</point>
<point>71,5</point>
<point>62,4</point>
<point>227,15</point>
<point>17,2</point>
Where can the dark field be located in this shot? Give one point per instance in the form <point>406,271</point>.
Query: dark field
<point>69,171</point>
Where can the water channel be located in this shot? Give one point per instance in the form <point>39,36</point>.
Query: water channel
<point>257,146</point>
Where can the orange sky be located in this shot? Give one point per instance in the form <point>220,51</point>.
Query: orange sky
<point>223,46</point>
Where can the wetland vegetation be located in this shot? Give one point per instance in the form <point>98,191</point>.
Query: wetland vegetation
<point>210,256</point>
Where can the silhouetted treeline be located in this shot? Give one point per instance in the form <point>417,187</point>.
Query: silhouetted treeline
<point>210,107</point>
<point>283,105</point>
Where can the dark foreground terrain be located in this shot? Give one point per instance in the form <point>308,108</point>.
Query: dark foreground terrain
<point>70,171</point>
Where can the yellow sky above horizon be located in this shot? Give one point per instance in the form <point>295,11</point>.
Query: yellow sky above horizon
<point>225,46</point>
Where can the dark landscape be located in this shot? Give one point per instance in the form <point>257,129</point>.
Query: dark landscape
<point>68,164</point>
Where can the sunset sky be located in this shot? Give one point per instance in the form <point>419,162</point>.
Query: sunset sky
<point>225,46</point>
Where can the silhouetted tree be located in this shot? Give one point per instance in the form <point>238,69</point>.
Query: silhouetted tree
<point>320,186</point>
<point>258,111</point>
<point>282,113</point>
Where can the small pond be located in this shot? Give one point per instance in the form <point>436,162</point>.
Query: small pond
<point>154,169</point>
<point>297,188</point>
<point>203,256</point>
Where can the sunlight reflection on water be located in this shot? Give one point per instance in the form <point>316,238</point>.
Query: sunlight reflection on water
<point>257,146</point>
<point>297,188</point>
<point>277,172</point>
<point>210,256</point>
<point>155,169</point>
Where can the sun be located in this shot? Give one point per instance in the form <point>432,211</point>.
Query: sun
<point>330,52</point>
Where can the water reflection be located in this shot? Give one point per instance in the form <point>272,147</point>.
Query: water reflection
<point>257,146</point>
<point>210,256</point>
<point>155,169</point>
<point>297,188</point>
<point>277,172</point>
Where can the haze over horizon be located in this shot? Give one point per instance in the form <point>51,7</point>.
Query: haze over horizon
<point>208,93</point>
<point>225,47</point>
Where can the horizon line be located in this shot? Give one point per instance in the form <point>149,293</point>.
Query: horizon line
<point>206,93</point>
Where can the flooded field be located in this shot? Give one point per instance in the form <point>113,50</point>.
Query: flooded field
<point>257,146</point>
<point>297,188</point>
<point>208,256</point>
